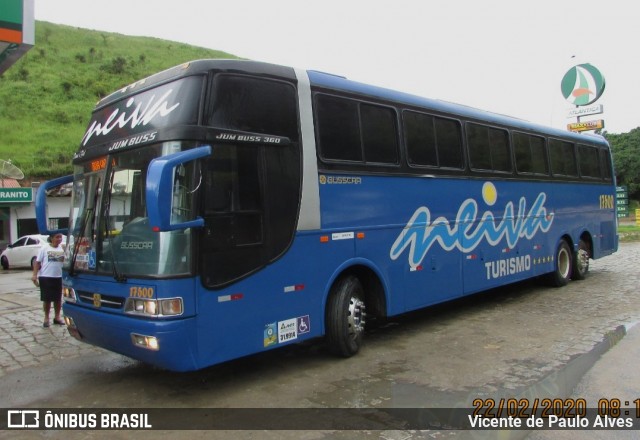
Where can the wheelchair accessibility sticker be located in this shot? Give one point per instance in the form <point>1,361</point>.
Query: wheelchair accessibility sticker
<point>304,325</point>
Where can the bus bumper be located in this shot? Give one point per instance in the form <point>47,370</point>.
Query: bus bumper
<point>173,347</point>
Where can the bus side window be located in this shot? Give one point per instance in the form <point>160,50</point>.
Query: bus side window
<point>589,162</point>
<point>563,158</point>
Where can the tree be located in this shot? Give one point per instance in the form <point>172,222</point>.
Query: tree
<point>626,159</point>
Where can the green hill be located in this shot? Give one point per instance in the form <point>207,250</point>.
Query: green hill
<point>47,96</point>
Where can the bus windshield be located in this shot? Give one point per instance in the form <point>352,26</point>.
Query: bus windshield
<point>110,232</point>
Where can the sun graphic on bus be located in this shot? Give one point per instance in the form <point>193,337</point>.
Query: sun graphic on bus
<point>489,193</point>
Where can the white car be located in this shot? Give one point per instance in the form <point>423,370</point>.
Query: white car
<point>22,252</point>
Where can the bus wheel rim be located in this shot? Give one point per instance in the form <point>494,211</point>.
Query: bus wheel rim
<point>564,263</point>
<point>356,317</point>
<point>583,260</point>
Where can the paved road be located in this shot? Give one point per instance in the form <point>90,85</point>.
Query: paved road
<point>23,340</point>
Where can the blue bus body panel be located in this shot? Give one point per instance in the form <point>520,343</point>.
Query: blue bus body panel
<point>432,240</point>
<point>110,328</point>
<point>438,239</point>
<point>176,337</point>
<point>281,304</point>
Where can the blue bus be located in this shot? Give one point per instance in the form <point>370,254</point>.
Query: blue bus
<point>223,208</point>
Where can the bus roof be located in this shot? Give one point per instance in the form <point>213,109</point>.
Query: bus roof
<point>198,67</point>
<point>340,83</point>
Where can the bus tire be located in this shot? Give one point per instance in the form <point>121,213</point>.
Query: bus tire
<point>563,265</point>
<point>581,261</point>
<point>345,317</point>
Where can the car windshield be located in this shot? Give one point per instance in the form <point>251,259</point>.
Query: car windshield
<point>110,231</point>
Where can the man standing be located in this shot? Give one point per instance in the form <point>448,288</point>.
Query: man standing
<point>47,273</point>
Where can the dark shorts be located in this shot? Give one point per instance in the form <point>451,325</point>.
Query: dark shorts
<point>50,289</point>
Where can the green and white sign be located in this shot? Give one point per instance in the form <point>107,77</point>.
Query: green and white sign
<point>586,110</point>
<point>622,201</point>
<point>582,84</point>
<point>16,195</point>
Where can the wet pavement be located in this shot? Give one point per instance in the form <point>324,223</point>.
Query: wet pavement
<point>522,341</point>
<point>23,340</point>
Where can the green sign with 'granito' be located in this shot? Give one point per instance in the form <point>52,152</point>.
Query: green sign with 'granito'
<point>16,195</point>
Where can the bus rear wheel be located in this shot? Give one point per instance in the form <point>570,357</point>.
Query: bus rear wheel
<point>345,317</point>
<point>581,261</point>
<point>563,266</point>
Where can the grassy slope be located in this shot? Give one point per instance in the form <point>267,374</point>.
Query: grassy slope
<point>46,97</point>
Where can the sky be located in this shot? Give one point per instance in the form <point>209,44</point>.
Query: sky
<point>505,56</point>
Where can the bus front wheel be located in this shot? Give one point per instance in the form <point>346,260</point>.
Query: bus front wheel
<point>345,317</point>
<point>563,266</point>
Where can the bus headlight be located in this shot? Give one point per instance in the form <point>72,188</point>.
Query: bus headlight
<point>154,307</point>
<point>148,342</point>
<point>171,307</point>
<point>69,294</point>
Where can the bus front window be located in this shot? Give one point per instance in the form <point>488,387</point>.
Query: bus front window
<point>116,238</point>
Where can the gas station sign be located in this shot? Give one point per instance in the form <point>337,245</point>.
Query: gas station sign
<point>17,31</point>
<point>586,125</point>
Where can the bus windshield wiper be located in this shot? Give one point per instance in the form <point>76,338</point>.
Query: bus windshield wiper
<point>76,246</point>
<point>89,216</point>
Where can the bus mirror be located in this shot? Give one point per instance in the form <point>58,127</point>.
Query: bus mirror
<point>163,184</point>
<point>42,218</point>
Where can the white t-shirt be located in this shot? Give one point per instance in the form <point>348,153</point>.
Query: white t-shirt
<point>50,260</point>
